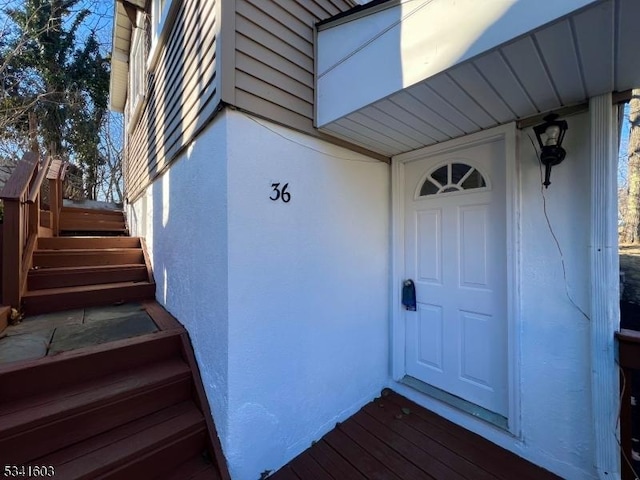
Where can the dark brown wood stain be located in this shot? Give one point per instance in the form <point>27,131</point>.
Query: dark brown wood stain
<point>394,438</point>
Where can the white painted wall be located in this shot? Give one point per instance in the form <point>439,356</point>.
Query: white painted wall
<point>554,363</point>
<point>418,40</point>
<point>286,303</point>
<point>183,217</point>
<point>308,291</point>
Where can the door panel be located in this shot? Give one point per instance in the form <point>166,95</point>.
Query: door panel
<point>429,249</point>
<point>430,336</point>
<point>455,251</point>
<point>473,246</point>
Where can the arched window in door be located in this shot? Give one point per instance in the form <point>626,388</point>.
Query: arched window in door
<point>452,177</point>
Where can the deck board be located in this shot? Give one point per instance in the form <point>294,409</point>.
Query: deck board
<point>427,446</point>
<point>393,438</point>
<point>334,462</point>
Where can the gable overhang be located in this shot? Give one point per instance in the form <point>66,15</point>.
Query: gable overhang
<point>121,43</point>
<point>402,75</point>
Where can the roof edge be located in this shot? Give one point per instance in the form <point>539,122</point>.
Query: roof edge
<point>356,12</point>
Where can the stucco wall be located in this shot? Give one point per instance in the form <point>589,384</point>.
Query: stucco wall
<point>308,290</point>
<point>554,358</point>
<point>183,217</point>
<point>286,303</point>
<point>555,354</point>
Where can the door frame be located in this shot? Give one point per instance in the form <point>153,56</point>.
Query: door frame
<point>507,133</point>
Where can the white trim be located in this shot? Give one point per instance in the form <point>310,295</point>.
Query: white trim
<point>137,89</point>
<point>507,133</point>
<point>398,367</point>
<point>514,324</point>
<point>160,29</point>
<point>605,313</point>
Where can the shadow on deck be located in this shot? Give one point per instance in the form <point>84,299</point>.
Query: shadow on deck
<point>394,438</point>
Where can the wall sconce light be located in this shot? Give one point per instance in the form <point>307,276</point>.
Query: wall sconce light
<point>550,135</point>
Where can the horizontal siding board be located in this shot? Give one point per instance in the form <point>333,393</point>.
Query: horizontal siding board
<point>298,11</point>
<point>264,21</point>
<point>255,42</point>
<point>265,72</point>
<point>316,9</point>
<point>263,108</point>
<point>284,17</point>
<point>182,91</point>
<point>274,71</point>
<point>178,137</point>
<point>174,95</point>
<point>273,94</point>
<point>188,83</point>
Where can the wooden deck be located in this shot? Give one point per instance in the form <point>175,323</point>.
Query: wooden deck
<point>393,438</point>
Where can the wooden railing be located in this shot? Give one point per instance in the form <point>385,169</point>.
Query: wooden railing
<point>22,204</point>
<point>629,361</point>
<point>56,175</point>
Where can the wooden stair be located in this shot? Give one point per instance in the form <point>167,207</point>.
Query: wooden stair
<point>88,221</point>
<point>128,409</point>
<point>83,271</point>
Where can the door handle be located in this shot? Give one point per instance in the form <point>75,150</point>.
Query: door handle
<point>409,295</point>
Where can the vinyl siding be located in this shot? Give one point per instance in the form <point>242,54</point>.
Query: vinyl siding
<point>274,67</point>
<point>182,94</point>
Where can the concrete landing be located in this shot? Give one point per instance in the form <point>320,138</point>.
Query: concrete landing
<point>49,334</point>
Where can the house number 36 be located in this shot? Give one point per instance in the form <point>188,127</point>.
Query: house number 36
<point>280,193</point>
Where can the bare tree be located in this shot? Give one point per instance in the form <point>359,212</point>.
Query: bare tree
<point>631,219</point>
<point>110,171</point>
<point>54,61</point>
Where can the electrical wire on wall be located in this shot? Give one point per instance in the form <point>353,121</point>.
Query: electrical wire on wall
<point>274,131</point>
<point>376,36</point>
<point>553,234</point>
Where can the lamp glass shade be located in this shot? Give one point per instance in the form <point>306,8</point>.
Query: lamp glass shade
<point>553,133</point>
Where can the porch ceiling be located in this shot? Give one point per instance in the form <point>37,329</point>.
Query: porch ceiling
<point>586,52</point>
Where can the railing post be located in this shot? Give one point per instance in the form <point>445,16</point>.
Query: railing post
<point>12,244</point>
<point>34,217</point>
<point>629,363</point>
<point>625,423</point>
<point>54,206</point>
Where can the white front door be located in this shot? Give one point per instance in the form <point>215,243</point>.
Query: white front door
<point>455,252</point>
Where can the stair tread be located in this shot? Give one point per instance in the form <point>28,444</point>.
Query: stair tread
<point>84,288</point>
<point>81,251</point>
<point>85,268</point>
<point>89,219</point>
<point>116,434</point>
<point>57,243</point>
<point>195,469</point>
<point>30,412</point>
<point>32,377</point>
<point>107,211</point>
<point>122,445</point>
